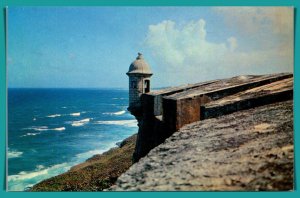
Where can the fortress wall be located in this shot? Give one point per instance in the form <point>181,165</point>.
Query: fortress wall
<point>187,109</point>
<point>158,99</point>
<point>162,114</point>
<point>160,94</point>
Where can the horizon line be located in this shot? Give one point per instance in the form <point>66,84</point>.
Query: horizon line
<point>76,87</point>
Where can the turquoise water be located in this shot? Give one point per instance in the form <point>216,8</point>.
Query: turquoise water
<point>50,130</point>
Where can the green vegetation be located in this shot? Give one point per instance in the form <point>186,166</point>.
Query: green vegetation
<point>96,173</point>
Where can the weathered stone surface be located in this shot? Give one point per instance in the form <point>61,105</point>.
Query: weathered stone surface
<point>246,150</point>
<point>274,92</point>
<point>224,87</point>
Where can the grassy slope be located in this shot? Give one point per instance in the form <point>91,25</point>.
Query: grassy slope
<point>96,174</point>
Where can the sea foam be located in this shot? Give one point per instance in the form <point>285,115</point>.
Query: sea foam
<point>83,156</point>
<point>115,113</point>
<point>45,128</point>
<point>30,134</point>
<point>127,123</point>
<point>80,122</point>
<point>13,154</point>
<point>26,179</point>
<point>75,114</point>
<point>59,129</point>
<point>37,128</point>
<point>54,115</point>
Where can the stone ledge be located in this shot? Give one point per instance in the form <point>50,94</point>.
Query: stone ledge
<point>274,92</point>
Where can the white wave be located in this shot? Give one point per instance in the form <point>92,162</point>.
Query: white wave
<point>119,112</point>
<point>37,128</point>
<point>75,114</point>
<point>25,179</point>
<point>84,156</point>
<point>59,129</point>
<point>80,122</point>
<point>44,128</point>
<point>54,115</point>
<point>13,154</point>
<point>127,123</point>
<point>88,154</point>
<point>34,119</point>
<point>115,113</point>
<point>30,134</point>
<point>63,107</point>
<point>40,167</point>
<point>77,124</point>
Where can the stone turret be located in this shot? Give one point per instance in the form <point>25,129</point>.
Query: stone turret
<point>139,83</point>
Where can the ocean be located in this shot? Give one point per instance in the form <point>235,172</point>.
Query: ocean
<point>51,130</point>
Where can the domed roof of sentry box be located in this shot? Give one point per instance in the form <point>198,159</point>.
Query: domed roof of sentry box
<point>139,66</point>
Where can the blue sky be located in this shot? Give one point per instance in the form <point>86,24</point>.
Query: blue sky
<point>94,46</point>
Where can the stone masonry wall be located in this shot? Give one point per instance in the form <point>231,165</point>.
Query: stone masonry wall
<point>165,113</point>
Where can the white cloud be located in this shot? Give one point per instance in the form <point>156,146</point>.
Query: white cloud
<point>176,46</point>
<point>266,27</point>
<point>183,54</point>
<point>232,43</point>
<point>253,19</point>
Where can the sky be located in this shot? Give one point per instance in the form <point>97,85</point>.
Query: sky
<point>92,47</point>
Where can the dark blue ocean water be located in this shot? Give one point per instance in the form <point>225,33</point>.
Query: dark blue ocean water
<point>50,130</point>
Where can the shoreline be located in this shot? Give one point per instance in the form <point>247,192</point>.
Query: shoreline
<point>18,184</point>
<point>96,173</point>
